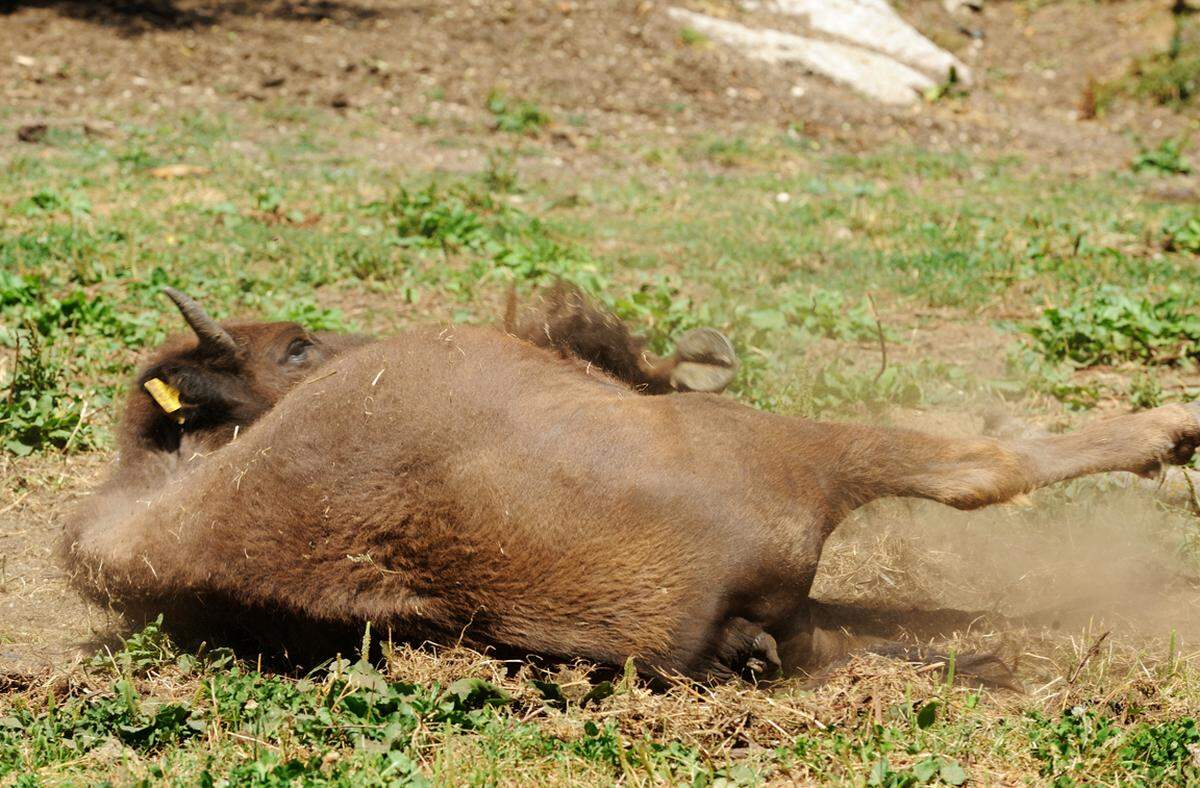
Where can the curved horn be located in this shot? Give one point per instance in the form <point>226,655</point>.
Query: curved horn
<point>207,329</point>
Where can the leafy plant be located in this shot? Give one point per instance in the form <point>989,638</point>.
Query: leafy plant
<point>515,117</point>
<point>837,387</point>
<point>1145,391</point>
<point>499,241</point>
<point>306,312</point>
<point>1030,370</point>
<point>1111,326</point>
<point>933,770</point>
<point>142,652</point>
<point>818,312</point>
<point>1182,234</point>
<point>1166,158</point>
<point>1153,754</point>
<point>49,201</point>
<point>35,410</point>
<point>429,218</point>
<point>661,310</point>
<point>1061,745</point>
<point>1163,753</point>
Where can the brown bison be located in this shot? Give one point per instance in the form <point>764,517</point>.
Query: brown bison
<point>512,490</point>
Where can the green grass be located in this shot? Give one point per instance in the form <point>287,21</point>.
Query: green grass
<point>777,241</point>
<point>779,250</point>
<point>149,714</point>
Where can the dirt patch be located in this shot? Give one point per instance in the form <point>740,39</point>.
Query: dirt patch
<point>43,623</point>
<point>600,69</point>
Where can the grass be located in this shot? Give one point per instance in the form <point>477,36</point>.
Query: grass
<point>978,278</point>
<point>149,713</point>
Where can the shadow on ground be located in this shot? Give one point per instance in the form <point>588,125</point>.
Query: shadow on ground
<point>135,18</point>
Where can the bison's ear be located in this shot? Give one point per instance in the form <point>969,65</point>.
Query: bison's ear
<point>210,397</point>
<point>212,336</point>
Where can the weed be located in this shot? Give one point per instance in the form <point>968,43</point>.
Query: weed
<point>662,309</point>
<point>1150,754</point>
<point>501,173</point>
<point>1110,326</point>
<point>499,242</point>
<point>931,770</point>
<point>1163,753</point>
<point>1077,735</point>
<point>515,117</point>
<point>1030,370</point>
<point>35,411</point>
<point>306,312</point>
<point>726,152</point>
<point>818,312</point>
<point>836,387</point>
<point>1145,391</point>
<point>1167,158</point>
<point>428,218</point>
<point>49,201</point>
<point>1182,234</point>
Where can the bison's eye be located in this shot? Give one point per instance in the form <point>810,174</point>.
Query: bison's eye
<point>297,351</point>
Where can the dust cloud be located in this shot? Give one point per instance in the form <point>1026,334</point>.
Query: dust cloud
<point>1096,555</point>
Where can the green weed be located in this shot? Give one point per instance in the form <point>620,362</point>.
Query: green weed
<point>1111,326</point>
<point>1182,234</point>
<point>36,412</point>
<point>515,117</point>
<point>1167,157</point>
<point>1071,747</point>
<point>818,312</point>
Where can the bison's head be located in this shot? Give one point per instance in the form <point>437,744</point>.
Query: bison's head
<point>225,376</point>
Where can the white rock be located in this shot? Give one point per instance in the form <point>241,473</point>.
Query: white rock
<point>876,25</point>
<point>876,75</point>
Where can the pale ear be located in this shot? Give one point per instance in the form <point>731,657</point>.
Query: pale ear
<point>209,331</point>
<point>704,360</point>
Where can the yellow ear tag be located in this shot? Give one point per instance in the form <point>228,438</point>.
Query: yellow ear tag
<point>166,396</point>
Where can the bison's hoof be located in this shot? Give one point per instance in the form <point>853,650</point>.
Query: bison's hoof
<point>1188,439</point>
<point>705,361</point>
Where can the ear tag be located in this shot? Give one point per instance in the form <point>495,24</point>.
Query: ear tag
<point>166,396</point>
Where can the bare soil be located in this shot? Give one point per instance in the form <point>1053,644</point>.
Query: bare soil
<point>616,68</point>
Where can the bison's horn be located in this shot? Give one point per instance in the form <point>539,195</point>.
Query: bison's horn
<point>208,330</point>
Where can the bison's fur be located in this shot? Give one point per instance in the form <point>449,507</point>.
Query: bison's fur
<point>463,484</point>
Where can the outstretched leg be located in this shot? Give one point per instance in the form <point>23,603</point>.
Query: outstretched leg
<point>566,320</point>
<point>974,472</point>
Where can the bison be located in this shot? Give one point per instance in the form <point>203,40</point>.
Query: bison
<point>513,489</point>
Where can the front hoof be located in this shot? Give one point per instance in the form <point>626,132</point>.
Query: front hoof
<point>705,361</point>
<point>764,661</point>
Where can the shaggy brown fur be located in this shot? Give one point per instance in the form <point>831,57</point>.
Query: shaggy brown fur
<point>463,484</point>
<point>564,319</point>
